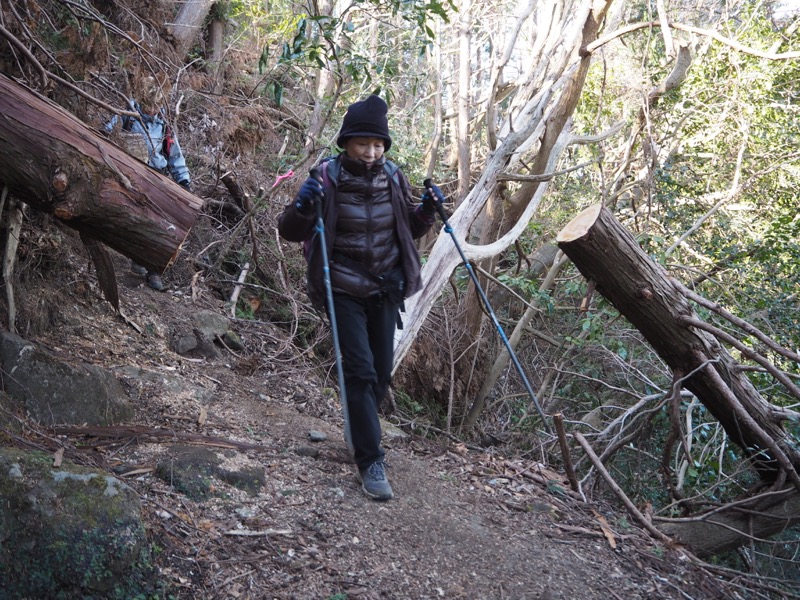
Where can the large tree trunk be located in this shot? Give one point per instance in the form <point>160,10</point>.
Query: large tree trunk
<point>540,105</point>
<point>723,531</point>
<point>328,88</point>
<point>188,23</point>
<point>216,41</point>
<point>605,253</point>
<point>52,161</point>
<point>462,104</point>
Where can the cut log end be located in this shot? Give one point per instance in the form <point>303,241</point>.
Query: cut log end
<point>580,225</point>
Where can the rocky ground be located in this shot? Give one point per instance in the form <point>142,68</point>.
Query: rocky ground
<point>248,492</point>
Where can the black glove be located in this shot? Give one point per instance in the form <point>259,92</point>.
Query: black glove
<point>430,202</point>
<point>185,185</point>
<point>310,192</point>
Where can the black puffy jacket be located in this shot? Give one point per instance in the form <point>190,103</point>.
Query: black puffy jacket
<point>370,223</point>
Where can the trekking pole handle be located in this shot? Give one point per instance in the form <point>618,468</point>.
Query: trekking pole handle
<point>428,184</point>
<point>316,173</point>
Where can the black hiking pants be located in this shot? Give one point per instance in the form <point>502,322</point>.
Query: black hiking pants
<point>366,336</point>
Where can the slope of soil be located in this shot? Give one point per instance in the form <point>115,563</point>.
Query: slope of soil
<point>464,524</point>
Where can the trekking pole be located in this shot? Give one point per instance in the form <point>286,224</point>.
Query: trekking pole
<point>326,275</point>
<point>428,183</point>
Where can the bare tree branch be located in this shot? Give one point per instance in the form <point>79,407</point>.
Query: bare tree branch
<point>741,323</point>
<point>748,352</point>
<point>689,28</point>
<point>635,512</point>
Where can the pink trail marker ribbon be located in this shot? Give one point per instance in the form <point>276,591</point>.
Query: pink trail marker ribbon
<point>280,178</point>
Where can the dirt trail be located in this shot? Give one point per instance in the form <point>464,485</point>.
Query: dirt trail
<point>464,524</point>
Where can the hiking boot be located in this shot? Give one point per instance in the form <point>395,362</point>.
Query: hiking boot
<point>154,281</point>
<point>138,269</point>
<point>374,482</point>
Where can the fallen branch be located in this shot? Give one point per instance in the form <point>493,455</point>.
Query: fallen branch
<point>589,532</point>
<point>238,288</point>
<point>235,189</point>
<point>13,230</point>
<point>558,420</point>
<point>635,512</point>
<point>129,432</point>
<point>262,533</point>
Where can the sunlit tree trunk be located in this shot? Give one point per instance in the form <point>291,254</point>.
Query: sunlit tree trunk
<point>538,112</point>
<point>488,222</point>
<point>462,102</point>
<point>432,152</point>
<point>188,23</point>
<point>216,41</point>
<point>327,90</point>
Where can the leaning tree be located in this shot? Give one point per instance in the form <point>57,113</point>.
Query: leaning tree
<point>524,117</point>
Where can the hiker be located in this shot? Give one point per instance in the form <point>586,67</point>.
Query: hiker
<point>370,223</point>
<point>160,149</point>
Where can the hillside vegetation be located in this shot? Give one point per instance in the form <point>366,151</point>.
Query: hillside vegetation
<point>703,180</point>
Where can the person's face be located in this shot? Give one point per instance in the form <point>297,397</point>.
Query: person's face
<point>151,101</point>
<point>148,109</point>
<point>366,149</point>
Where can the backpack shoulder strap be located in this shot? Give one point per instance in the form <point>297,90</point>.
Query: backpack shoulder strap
<point>330,171</point>
<point>392,170</point>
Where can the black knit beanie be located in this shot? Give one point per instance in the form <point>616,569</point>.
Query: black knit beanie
<point>366,118</point>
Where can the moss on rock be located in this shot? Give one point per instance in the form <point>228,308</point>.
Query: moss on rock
<point>66,532</point>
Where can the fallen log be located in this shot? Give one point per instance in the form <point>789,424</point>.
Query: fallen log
<point>52,161</point>
<point>608,256</point>
<point>643,292</point>
<point>728,527</point>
